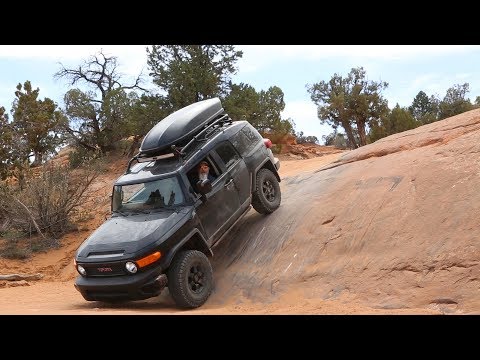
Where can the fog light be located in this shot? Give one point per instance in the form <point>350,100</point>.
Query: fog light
<point>81,270</point>
<point>131,267</point>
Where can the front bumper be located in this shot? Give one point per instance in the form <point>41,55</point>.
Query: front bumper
<point>139,286</point>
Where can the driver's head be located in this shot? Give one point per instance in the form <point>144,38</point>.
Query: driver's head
<point>203,167</point>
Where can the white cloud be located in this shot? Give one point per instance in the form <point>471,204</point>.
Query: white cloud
<point>406,90</point>
<point>67,51</point>
<point>131,57</point>
<point>436,84</point>
<point>463,76</point>
<point>304,114</point>
<point>7,92</point>
<point>258,56</point>
<point>423,80</point>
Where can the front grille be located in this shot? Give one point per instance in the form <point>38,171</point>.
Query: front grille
<point>109,269</point>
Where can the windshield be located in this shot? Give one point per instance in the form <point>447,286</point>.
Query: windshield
<point>148,195</point>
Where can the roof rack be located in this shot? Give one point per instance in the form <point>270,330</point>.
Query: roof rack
<point>202,135</point>
<point>141,159</point>
<point>222,120</point>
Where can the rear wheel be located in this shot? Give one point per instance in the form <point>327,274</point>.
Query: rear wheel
<point>267,197</point>
<point>190,279</point>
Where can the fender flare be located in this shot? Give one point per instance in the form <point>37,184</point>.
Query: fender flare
<point>202,242</point>
<point>269,166</point>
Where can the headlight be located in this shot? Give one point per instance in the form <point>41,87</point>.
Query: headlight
<point>131,267</point>
<point>81,270</point>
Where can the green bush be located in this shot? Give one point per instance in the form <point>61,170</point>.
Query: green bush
<point>81,156</point>
<point>13,251</point>
<point>40,245</point>
<point>276,148</point>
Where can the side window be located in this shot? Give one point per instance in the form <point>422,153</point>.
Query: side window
<point>227,153</point>
<point>205,169</point>
<point>252,136</point>
<point>240,142</point>
<point>245,140</point>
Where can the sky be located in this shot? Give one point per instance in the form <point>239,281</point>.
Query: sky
<point>407,69</point>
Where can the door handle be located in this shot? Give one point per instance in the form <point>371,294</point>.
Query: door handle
<point>228,183</point>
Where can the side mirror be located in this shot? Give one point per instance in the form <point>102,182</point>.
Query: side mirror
<point>204,187</point>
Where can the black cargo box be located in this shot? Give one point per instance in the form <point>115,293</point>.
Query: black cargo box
<point>179,127</point>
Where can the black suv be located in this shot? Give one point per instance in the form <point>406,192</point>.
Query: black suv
<point>196,174</point>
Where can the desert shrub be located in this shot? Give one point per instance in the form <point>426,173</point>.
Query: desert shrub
<point>11,250</point>
<point>83,215</point>
<point>81,156</point>
<point>11,246</point>
<point>277,148</point>
<point>40,245</point>
<point>303,139</point>
<point>335,139</point>
<point>44,205</point>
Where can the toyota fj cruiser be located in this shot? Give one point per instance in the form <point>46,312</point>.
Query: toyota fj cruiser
<point>165,220</point>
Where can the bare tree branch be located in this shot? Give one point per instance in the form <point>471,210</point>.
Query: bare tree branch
<point>104,110</point>
<point>31,217</point>
<point>73,133</point>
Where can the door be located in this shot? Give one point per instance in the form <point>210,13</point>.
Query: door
<point>229,197</point>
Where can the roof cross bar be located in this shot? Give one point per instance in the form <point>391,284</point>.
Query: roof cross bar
<point>223,119</point>
<point>140,159</point>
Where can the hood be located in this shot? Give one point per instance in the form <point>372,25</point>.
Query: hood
<point>124,235</point>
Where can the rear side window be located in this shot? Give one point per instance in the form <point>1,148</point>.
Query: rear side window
<point>245,140</point>
<point>227,153</point>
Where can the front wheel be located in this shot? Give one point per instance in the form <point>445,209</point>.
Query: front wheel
<point>190,279</point>
<point>267,197</point>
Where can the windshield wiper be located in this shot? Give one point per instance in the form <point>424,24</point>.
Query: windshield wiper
<point>140,211</point>
<point>166,207</point>
<point>120,213</point>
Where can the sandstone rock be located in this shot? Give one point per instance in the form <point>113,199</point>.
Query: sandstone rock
<point>402,232</point>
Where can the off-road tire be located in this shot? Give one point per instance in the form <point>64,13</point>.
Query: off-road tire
<point>266,197</point>
<point>190,279</point>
